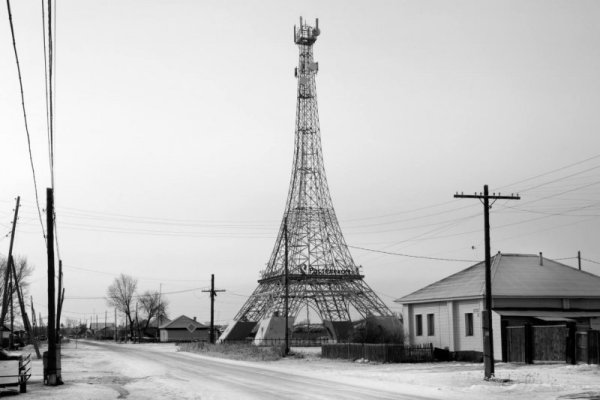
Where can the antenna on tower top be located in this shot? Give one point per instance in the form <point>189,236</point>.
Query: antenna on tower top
<point>306,34</point>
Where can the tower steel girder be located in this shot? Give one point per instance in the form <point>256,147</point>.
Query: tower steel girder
<point>321,272</point>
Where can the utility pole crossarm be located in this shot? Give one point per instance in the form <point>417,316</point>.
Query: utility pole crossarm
<point>489,196</point>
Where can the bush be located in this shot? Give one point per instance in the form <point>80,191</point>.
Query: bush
<point>235,351</point>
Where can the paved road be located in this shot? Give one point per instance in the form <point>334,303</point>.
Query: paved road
<point>222,379</point>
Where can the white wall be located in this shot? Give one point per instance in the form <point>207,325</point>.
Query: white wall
<point>450,329</point>
<point>440,338</point>
<point>464,342</point>
<point>497,331</point>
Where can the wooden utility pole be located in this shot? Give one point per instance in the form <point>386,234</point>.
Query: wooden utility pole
<point>61,296</point>
<point>159,315</point>
<point>51,371</point>
<point>11,337</point>
<point>7,271</point>
<point>26,323</point>
<point>33,320</point>
<point>488,337</point>
<point>287,286</point>
<point>116,340</point>
<point>213,294</point>
<point>579,259</point>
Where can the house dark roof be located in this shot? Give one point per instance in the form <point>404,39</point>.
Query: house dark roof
<point>513,275</point>
<point>100,325</point>
<point>182,322</point>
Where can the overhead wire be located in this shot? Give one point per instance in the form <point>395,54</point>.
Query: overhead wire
<point>549,172</point>
<point>135,296</point>
<point>412,255</point>
<point>140,277</point>
<point>35,186</point>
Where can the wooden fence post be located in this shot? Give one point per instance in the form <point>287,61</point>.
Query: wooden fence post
<point>528,333</point>
<point>593,347</point>
<point>504,340</point>
<point>571,343</point>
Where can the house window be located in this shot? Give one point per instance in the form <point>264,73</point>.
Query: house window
<point>419,324</point>
<point>430,325</point>
<point>469,324</point>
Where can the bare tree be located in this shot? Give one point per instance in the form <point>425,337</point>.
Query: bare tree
<point>24,272</point>
<point>120,295</point>
<point>153,306</point>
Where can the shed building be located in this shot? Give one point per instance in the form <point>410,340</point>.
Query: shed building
<point>183,329</point>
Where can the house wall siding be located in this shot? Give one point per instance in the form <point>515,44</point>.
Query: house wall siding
<point>169,335</point>
<point>464,342</point>
<point>440,338</point>
<point>497,335</point>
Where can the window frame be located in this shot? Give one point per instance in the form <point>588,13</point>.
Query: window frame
<point>419,325</point>
<point>469,324</point>
<point>430,324</point>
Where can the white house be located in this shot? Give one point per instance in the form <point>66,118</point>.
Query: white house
<point>525,289</point>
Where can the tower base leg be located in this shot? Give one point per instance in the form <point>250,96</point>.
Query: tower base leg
<point>237,331</point>
<point>271,331</point>
<point>339,331</point>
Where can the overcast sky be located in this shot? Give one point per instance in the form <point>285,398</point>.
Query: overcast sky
<point>175,130</point>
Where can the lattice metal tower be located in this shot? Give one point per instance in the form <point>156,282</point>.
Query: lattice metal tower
<point>321,271</point>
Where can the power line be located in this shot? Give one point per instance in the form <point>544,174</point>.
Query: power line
<point>136,296</point>
<point>560,179</point>
<point>592,261</point>
<point>46,83</point>
<point>411,255</point>
<point>140,277</point>
<point>550,172</point>
<point>37,200</point>
<point>400,212</point>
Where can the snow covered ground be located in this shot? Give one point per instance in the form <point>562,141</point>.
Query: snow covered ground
<point>465,380</point>
<point>93,372</point>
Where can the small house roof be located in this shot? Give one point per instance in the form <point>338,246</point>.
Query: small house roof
<point>182,322</point>
<point>513,275</point>
<point>101,325</point>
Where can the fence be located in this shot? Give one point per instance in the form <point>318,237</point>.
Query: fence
<point>587,347</point>
<point>515,344</point>
<point>553,343</point>
<point>281,342</point>
<point>388,353</point>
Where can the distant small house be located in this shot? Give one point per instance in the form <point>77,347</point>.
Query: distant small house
<point>183,328</point>
<point>527,290</point>
<point>101,330</point>
<point>152,331</point>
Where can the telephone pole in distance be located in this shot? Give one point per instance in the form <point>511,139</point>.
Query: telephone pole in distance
<point>213,294</point>
<point>488,339</point>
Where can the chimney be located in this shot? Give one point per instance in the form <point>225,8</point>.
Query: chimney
<point>195,317</point>
<point>541,259</point>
